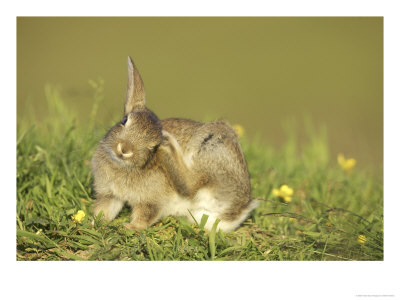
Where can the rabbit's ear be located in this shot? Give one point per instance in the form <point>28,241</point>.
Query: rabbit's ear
<point>135,96</point>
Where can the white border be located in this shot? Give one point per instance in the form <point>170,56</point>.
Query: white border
<point>197,280</point>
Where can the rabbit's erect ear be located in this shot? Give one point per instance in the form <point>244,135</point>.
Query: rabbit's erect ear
<point>135,96</point>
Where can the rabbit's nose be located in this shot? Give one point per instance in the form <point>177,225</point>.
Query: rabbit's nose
<point>123,152</point>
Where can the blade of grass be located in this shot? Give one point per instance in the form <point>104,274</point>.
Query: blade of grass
<point>211,239</point>
<point>65,254</point>
<point>82,187</point>
<point>195,221</point>
<point>203,221</point>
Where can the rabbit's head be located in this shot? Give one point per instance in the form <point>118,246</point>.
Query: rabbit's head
<point>133,141</point>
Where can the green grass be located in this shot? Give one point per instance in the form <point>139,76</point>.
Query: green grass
<point>328,211</point>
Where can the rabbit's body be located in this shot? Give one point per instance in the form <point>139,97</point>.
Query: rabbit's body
<point>172,167</point>
<point>218,171</point>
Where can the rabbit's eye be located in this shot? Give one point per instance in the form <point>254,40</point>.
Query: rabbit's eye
<point>123,122</point>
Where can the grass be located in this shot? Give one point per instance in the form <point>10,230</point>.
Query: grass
<point>329,209</point>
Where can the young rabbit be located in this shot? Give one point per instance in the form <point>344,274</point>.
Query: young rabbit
<point>173,167</point>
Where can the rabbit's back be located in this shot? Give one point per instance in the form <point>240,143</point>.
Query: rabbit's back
<point>208,147</point>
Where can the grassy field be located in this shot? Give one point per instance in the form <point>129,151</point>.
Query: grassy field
<point>332,215</point>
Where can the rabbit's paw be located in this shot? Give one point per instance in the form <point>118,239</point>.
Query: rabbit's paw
<point>135,226</point>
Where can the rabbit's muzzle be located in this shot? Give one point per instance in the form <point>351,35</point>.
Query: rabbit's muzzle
<point>123,150</point>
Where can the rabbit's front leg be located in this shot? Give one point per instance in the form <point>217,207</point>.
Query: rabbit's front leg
<point>108,205</point>
<point>143,215</point>
<point>171,158</point>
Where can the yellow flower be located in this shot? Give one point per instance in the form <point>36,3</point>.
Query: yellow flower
<point>239,129</point>
<point>361,239</point>
<point>79,216</point>
<point>346,164</point>
<point>327,223</point>
<point>285,193</point>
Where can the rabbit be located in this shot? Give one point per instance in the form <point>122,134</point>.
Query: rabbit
<point>171,167</point>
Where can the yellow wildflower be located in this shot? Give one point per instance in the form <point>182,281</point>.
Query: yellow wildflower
<point>327,223</point>
<point>79,216</point>
<point>346,164</point>
<point>285,193</point>
<point>292,219</point>
<point>239,129</point>
<point>361,239</point>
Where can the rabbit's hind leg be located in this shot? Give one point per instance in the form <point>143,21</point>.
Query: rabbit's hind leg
<point>233,217</point>
<point>184,180</point>
<point>230,217</point>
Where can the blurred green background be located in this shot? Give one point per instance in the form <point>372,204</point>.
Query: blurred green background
<point>257,72</point>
